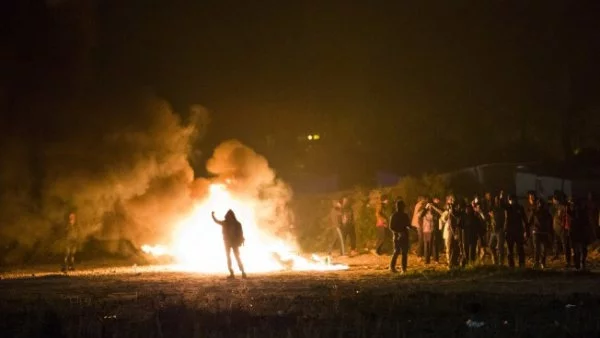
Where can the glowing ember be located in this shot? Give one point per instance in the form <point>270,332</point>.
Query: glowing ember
<point>197,243</point>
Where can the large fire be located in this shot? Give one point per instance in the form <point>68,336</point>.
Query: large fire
<point>197,243</point>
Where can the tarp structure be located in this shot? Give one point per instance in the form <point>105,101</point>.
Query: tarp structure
<point>544,186</point>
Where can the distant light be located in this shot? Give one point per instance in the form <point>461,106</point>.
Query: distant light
<point>310,137</point>
<point>316,136</point>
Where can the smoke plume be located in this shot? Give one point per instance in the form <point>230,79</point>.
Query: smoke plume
<point>123,168</point>
<point>251,178</point>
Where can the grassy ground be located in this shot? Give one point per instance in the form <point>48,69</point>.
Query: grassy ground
<point>112,299</point>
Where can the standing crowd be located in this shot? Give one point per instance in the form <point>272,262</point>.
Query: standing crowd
<point>493,229</point>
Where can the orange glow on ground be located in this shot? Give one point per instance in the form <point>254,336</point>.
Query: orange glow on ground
<point>197,243</point>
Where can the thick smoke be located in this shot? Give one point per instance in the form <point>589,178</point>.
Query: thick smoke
<point>251,178</point>
<point>125,171</point>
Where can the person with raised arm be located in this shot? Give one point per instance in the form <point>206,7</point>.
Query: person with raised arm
<point>233,238</point>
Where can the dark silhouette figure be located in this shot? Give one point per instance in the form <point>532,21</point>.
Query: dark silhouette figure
<point>72,242</point>
<point>233,238</point>
<point>514,228</point>
<point>470,232</point>
<point>541,231</point>
<point>399,225</point>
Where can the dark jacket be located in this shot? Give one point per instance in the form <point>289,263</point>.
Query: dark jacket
<point>233,234</point>
<point>580,230</point>
<point>472,226</point>
<point>400,223</point>
<point>515,221</point>
<point>541,222</point>
<point>347,217</point>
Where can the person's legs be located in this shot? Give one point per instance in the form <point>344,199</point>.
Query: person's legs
<point>404,246</point>
<point>228,249</point>
<point>466,249</point>
<point>397,251</point>
<point>455,250</point>
<point>493,244</point>
<point>567,248</point>
<point>577,255</point>
<point>520,251</point>
<point>380,240</point>
<point>584,254</point>
<point>511,254</point>
<point>558,246</point>
<point>449,248</point>
<point>427,244</point>
<point>435,245</point>
<point>502,247</point>
<point>236,253</point>
<point>537,250</point>
<point>473,251</point>
<point>72,257</point>
<point>420,246</point>
<point>546,247</point>
<point>338,237</point>
<point>351,232</point>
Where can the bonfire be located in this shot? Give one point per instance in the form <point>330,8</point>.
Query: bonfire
<point>197,245</point>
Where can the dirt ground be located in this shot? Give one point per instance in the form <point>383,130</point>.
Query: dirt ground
<point>115,296</point>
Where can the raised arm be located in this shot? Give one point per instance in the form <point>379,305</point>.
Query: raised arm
<point>212,214</point>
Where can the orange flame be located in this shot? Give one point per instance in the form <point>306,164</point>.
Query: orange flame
<point>197,241</point>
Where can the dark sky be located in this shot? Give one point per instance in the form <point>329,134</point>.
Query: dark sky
<point>387,76</point>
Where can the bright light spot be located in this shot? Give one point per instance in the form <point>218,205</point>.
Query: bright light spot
<point>197,243</point>
<point>316,137</point>
<point>157,250</point>
<point>310,137</point>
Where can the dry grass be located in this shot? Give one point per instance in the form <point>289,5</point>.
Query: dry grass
<point>365,301</point>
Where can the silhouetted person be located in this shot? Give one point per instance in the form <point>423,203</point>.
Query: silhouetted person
<point>562,232</point>
<point>530,208</point>
<point>72,242</point>
<point>581,233</point>
<point>593,216</point>
<point>399,225</point>
<point>381,223</point>
<point>541,230</point>
<point>514,228</point>
<point>438,241</point>
<point>427,226</point>
<point>233,238</point>
<point>470,232</point>
<point>487,203</point>
<point>449,225</point>
<point>497,237</point>
<point>416,223</point>
<point>348,224</point>
<point>336,229</point>
<point>482,234</point>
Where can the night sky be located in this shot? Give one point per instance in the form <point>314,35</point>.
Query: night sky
<point>399,86</point>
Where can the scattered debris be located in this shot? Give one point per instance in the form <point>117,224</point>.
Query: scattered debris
<point>110,317</point>
<point>570,306</point>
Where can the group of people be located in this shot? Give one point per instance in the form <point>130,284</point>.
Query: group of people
<point>494,226</point>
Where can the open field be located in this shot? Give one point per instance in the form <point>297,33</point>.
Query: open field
<point>364,301</point>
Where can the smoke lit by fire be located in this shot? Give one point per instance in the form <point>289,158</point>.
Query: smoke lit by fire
<point>244,183</point>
